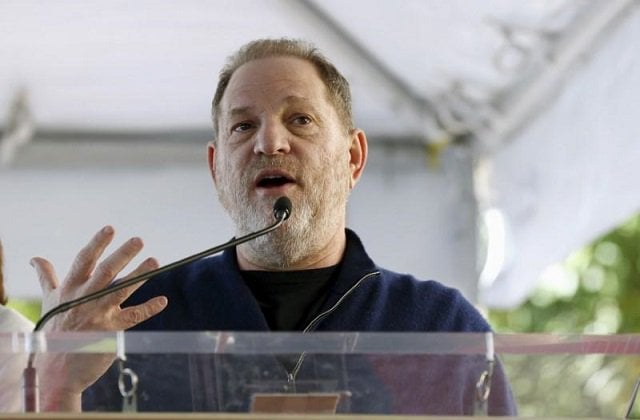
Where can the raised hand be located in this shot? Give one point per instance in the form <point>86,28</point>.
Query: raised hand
<point>63,377</point>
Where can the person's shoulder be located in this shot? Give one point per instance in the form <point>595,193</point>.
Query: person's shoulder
<point>13,321</point>
<point>407,281</point>
<point>443,307</point>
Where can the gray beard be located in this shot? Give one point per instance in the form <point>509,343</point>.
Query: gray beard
<point>312,223</point>
<point>285,246</point>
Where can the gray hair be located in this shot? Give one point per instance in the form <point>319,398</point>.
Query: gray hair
<point>339,93</point>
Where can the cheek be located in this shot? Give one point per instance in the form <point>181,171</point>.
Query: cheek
<point>222,174</point>
<point>227,160</point>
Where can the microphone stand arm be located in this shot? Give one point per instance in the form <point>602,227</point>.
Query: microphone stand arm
<point>117,285</point>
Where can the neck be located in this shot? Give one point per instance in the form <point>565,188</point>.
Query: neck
<point>328,255</point>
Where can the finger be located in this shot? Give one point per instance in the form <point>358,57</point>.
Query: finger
<point>123,294</point>
<point>46,274</point>
<point>109,268</point>
<point>129,317</point>
<point>86,260</point>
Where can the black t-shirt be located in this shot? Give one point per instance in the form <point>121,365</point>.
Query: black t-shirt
<point>290,299</point>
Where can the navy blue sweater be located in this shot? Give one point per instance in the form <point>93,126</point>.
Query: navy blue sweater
<point>210,294</point>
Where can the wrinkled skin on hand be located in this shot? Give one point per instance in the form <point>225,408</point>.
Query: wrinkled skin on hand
<point>64,376</point>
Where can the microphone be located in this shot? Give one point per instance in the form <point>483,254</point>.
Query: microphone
<point>282,208</point>
<point>281,212</point>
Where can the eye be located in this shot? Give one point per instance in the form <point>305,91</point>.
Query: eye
<point>241,127</point>
<point>302,120</point>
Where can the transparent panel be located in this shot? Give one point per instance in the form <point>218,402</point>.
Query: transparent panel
<point>351,373</point>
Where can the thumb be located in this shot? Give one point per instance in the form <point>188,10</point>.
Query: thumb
<point>46,274</point>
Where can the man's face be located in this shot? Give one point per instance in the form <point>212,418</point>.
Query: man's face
<point>279,135</point>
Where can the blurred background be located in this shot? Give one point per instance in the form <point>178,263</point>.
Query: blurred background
<point>503,137</point>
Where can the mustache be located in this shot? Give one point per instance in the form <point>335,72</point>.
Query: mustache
<point>269,162</point>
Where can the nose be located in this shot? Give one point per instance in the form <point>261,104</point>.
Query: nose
<point>272,139</point>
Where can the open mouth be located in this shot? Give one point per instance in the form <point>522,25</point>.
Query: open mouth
<point>274,180</point>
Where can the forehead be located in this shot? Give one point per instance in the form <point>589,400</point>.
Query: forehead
<point>275,79</point>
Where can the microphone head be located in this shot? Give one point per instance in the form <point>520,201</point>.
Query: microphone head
<point>282,208</point>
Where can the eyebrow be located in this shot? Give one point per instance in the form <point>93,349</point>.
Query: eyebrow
<point>242,110</point>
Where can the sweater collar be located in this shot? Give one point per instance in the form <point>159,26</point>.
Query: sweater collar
<point>355,263</point>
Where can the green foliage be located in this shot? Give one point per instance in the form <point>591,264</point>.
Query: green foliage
<point>595,291</point>
<point>28,308</point>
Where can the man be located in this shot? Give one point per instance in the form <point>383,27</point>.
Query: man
<point>283,127</point>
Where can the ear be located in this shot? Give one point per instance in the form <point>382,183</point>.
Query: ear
<point>357,155</point>
<point>211,158</point>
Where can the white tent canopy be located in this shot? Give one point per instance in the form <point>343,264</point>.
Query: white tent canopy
<point>518,111</point>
